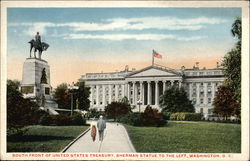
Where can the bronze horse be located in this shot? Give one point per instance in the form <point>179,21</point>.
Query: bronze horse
<point>37,47</point>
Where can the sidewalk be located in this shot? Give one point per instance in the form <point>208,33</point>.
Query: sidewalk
<point>115,140</point>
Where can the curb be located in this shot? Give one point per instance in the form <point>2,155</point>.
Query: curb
<point>129,140</point>
<point>72,142</point>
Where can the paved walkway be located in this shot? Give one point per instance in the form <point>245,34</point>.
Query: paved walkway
<point>115,140</point>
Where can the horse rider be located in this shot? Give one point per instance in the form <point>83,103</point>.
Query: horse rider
<point>38,40</point>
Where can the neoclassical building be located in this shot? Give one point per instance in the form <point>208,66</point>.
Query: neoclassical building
<point>144,87</point>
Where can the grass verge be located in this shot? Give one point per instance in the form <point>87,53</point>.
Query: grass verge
<point>44,138</point>
<point>187,137</point>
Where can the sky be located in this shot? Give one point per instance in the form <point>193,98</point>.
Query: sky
<point>86,40</point>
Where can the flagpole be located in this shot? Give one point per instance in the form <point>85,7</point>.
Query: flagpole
<point>152,59</point>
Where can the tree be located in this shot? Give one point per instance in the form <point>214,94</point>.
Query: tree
<point>225,102</point>
<point>83,93</point>
<point>175,99</point>
<point>232,66</point>
<point>117,109</point>
<point>62,96</point>
<point>20,112</point>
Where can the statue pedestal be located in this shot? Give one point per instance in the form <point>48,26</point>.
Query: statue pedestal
<point>31,85</point>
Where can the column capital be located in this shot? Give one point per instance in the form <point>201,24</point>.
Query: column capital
<point>141,82</point>
<point>148,81</point>
<point>156,81</point>
<point>164,81</point>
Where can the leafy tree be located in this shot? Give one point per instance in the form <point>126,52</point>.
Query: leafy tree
<point>83,96</point>
<point>62,96</point>
<point>175,99</point>
<point>20,112</point>
<point>232,66</point>
<point>225,102</point>
<point>117,109</point>
<point>125,100</point>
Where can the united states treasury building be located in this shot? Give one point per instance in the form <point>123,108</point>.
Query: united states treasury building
<point>145,86</point>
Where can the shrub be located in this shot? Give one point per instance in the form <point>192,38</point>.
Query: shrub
<point>46,119</point>
<point>133,119</point>
<point>63,120</point>
<point>77,119</point>
<point>166,115</point>
<point>151,117</point>
<point>182,116</point>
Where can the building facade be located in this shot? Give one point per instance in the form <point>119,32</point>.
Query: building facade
<point>144,87</point>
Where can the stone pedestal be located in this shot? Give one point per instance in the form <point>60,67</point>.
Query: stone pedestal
<point>35,87</point>
<point>31,85</point>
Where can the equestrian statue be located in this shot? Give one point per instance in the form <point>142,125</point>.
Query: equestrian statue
<point>38,45</point>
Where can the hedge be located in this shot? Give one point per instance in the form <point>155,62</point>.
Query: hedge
<point>185,116</point>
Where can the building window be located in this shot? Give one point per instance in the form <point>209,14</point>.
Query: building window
<point>201,110</point>
<point>194,101</point>
<point>209,100</point>
<point>201,101</point>
<point>202,92</point>
<point>210,111</point>
<point>94,102</point>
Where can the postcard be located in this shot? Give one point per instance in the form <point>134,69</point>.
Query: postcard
<point>123,80</point>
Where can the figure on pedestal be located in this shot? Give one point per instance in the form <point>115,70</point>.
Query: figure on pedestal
<point>38,45</point>
<point>44,77</point>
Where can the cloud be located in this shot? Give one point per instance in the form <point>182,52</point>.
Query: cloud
<point>123,24</point>
<point>155,37</point>
<point>162,23</point>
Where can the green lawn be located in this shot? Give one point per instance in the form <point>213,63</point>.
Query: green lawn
<point>188,137</point>
<point>44,138</point>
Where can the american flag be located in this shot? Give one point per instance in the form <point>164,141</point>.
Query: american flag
<point>157,55</point>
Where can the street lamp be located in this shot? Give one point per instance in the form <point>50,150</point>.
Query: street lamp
<point>72,90</point>
<point>139,103</point>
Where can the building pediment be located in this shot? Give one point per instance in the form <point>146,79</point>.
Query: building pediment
<point>154,71</point>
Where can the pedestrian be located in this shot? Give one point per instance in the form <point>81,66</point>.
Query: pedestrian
<point>93,131</point>
<point>101,125</point>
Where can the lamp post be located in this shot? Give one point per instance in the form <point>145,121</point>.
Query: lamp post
<point>72,90</point>
<point>139,103</point>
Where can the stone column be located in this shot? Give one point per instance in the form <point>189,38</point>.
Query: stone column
<point>172,82</point>
<point>133,99</point>
<point>149,92</point>
<point>110,93</point>
<point>190,91</point>
<point>213,92</point>
<point>164,86</point>
<point>103,95</point>
<point>156,93</point>
<point>116,92</point>
<point>91,96</point>
<point>180,83</point>
<point>143,97</point>
<point>123,90</point>
<point>97,95</point>
<point>205,93</point>
<point>141,91</point>
<point>126,89</point>
<point>129,92</point>
<point>198,93</point>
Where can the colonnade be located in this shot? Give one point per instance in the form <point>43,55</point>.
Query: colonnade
<point>147,92</point>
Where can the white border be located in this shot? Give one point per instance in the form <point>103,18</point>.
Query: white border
<point>245,63</point>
